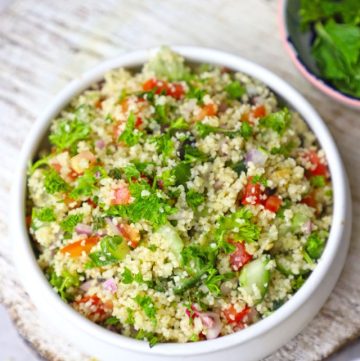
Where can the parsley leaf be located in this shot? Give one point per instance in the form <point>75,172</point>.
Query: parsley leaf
<point>240,226</point>
<point>112,250</point>
<point>130,135</point>
<point>194,199</point>
<point>235,90</point>
<point>64,283</point>
<point>204,130</point>
<point>278,121</point>
<point>164,145</point>
<point>149,336</point>
<point>45,214</point>
<point>86,184</point>
<point>68,132</point>
<point>54,183</point>
<point>148,204</point>
<point>147,305</point>
<point>318,181</point>
<point>131,171</point>
<point>68,223</point>
<point>315,244</point>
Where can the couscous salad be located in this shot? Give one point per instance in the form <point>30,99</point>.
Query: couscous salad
<point>178,203</point>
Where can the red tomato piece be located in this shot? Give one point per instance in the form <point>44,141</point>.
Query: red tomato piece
<point>98,310</point>
<point>252,193</point>
<point>259,111</point>
<point>318,166</point>
<point>76,249</point>
<point>175,90</point>
<point>131,234</point>
<point>138,122</point>
<point>273,203</point>
<point>310,200</point>
<point>234,316</point>
<point>239,257</point>
<point>121,195</point>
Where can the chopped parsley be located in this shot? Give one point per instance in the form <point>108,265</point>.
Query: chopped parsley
<point>70,131</point>
<point>63,283</point>
<point>204,130</point>
<point>164,145</point>
<point>278,121</point>
<point>235,90</point>
<point>69,223</point>
<point>318,181</point>
<point>315,244</point>
<point>112,250</point>
<point>240,225</point>
<point>130,136</point>
<point>45,214</point>
<point>53,183</point>
<point>147,305</point>
<point>148,204</point>
<point>194,199</point>
<point>149,336</point>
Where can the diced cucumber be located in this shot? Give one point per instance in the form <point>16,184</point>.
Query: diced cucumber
<point>169,234</point>
<point>255,274</point>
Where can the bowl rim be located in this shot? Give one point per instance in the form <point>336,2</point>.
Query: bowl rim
<point>38,287</point>
<point>314,79</point>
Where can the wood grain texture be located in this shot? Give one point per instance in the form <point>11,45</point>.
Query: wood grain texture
<point>44,44</point>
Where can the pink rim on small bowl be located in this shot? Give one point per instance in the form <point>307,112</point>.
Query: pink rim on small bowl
<point>311,77</point>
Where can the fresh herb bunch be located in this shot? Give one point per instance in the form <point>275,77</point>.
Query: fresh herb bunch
<point>336,48</point>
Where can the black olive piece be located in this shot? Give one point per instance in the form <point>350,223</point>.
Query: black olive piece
<point>270,191</point>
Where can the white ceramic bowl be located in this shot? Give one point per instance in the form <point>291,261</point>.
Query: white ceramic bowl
<point>252,343</point>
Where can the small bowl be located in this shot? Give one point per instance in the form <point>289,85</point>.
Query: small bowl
<point>252,343</point>
<point>298,46</point>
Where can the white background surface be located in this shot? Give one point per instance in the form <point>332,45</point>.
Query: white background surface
<point>13,347</point>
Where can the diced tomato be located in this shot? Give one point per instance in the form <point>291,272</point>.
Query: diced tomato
<point>91,203</point>
<point>252,193</point>
<point>73,175</point>
<point>310,200</point>
<point>207,110</point>
<point>57,167</point>
<point>318,166</point>
<point>76,249</point>
<point>138,122</point>
<point>130,233</point>
<point>70,202</point>
<point>273,203</point>
<point>234,316</point>
<point>174,90</point>
<point>239,257</point>
<point>245,117</point>
<point>98,310</point>
<point>82,161</point>
<point>121,195</point>
<point>259,111</point>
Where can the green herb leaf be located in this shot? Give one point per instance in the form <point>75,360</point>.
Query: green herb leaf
<point>53,183</point>
<point>45,214</point>
<point>147,305</point>
<point>68,223</point>
<point>130,135</point>
<point>315,244</point>
<point>235,90</point>
<point>278,121</point>
<point>64,283</point>
<point>68,132</point>
<point>194,199</point>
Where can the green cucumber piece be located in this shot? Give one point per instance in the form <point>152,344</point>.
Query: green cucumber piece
<point>255,273</point>
<point>168,233</point>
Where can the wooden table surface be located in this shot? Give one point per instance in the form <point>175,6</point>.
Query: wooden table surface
<point>44,44</point>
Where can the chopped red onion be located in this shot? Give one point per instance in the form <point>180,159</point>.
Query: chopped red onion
<point>86,285</point>
<point>82,228</point>
<point>110,285</point>
<point>211,321</point>
<point>256,156</point>
<point>307,227</point>
<point>100,144</point>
